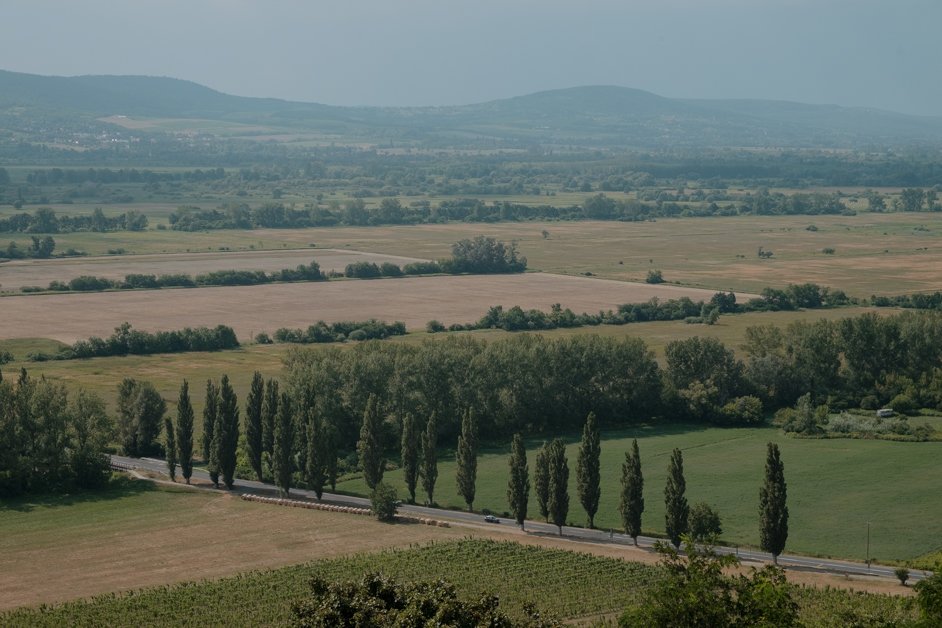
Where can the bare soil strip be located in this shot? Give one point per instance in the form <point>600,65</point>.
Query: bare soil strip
<point>253,309</point>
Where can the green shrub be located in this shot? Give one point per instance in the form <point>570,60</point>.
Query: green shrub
<point>383,502</point>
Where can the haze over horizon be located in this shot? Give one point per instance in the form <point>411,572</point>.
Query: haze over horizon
<point>866,53</point>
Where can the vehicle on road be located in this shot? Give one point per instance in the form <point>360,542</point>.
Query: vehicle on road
<point>491,519</point>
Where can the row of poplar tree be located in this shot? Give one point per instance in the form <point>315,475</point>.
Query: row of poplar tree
<point>283,435</point>
<point>551,484</point>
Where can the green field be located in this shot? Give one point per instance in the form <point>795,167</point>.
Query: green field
<point>834,487</point>
<point>565,584</point>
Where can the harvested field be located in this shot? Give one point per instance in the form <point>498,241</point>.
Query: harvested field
<point>253,309</point>
<point>19,273</point>
<point>60,548</point>
<point>888,253</point>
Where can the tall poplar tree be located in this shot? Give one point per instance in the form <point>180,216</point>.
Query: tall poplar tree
<point>370,447</point>
<point>185,432</point>
<point>170,448</point>
<point>558,503</point>
<point>429,470</point>
<point>227,429</point>
<point>467,458</point>
<point>632,492</point>
<point>253,424</point>
<point>518,487</point>
<point>316,469</point>
<point>210,441</point>
<point>269,416</point>
<point>409,454</point>
<point>676,511</point>
<point>330,444</point>
<point>773,512</point>
<point>541,480</point>
<point>283,440</point>
<point>588,471</point>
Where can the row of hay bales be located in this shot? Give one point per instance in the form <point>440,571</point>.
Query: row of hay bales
<point>350,510</point>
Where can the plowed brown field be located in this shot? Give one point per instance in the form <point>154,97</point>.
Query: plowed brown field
<point>253,309</point>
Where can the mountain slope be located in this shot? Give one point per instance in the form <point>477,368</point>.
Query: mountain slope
<point>581,116</point>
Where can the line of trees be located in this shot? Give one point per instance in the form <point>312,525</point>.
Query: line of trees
<point>128,341</point>
<point>137,281</point>
<point>391,211</point>
<point>481,255</point>
<point>61,176</point>
<point>45,220</point>
<point>701,523</point>
<point>793,297</point>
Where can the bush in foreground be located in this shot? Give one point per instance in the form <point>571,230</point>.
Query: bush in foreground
<point>696,592</point>
<point>377,600</point>
<point>383,502</point>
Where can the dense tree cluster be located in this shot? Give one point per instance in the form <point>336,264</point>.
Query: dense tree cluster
<point>484,255</point>
<point>867,360</point>
<point>532,384</point>
<point>141,412</point>
<point>38,248</point>
<point>51,440</point>
<point>524,383</point>
<point>340,331</point>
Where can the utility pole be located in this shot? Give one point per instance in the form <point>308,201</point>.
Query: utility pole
<point>868,547</point>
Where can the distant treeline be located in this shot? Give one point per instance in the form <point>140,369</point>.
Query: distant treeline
<point>919,301</point>
<point>801,296</point>
<point>533,384</point>
<point>375,172</point>
<point>128,341</point>
<point>59,176</point>
<point>660,204</point>
<point>45,220</point>
<point>88,283</point>
<point>341,331</point>
<point>392,212</point>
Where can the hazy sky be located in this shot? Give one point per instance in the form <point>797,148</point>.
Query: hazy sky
<point>876,53</point>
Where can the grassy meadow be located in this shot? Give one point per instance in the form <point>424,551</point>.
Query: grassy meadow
<point>834,486</point>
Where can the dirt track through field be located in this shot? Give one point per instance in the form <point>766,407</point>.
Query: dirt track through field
<point>14,275</point>
<point>253,309</point>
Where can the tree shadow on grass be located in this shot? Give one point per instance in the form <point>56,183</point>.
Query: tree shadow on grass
<point>117,488</point>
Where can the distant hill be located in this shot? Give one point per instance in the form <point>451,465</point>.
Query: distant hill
<point>598,116</point>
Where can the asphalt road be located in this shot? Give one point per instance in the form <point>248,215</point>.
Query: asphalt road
<point>824,565</point>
